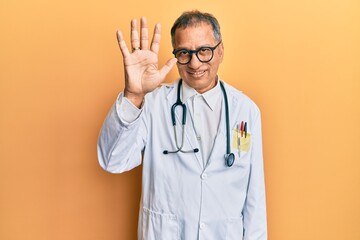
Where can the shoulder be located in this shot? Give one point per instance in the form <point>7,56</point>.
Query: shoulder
<point>240,98</point>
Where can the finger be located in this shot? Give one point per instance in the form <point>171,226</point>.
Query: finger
<point>135,44</point>
<point>155,44</point>
<point>144,37</point>
<point>167,67</point>
<point>122,44</point>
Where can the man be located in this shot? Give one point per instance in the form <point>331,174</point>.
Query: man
<point>199,139</point>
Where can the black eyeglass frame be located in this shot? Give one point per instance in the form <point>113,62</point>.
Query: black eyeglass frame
<point>191,52</point>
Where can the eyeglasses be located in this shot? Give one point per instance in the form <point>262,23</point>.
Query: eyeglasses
<point>204,54</point>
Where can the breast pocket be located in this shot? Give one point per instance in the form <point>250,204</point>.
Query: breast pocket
<point>241,147</point>
<point>159,226</point>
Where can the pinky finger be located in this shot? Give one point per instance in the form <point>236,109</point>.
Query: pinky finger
<point>124,50</point>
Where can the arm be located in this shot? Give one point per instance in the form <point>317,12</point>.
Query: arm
<point>255,224</point>
<point>122,137</point>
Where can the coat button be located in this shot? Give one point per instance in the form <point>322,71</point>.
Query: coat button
<point>202,225</point>
<point>203,176</point>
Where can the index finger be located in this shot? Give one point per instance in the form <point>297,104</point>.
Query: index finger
<point>155,44</point>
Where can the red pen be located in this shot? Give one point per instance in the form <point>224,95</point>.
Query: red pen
<point>242,128</point>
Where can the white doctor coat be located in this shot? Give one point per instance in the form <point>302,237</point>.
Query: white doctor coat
<point>181,199</point>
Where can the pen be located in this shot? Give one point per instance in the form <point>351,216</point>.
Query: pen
<point>242,128</point>
<point>245,129</point>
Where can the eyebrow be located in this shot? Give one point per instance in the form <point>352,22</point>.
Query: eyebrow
<point>180,48</point>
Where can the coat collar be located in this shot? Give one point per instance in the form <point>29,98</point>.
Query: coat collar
<point>211,97</point>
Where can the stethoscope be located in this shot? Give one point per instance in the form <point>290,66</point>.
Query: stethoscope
<point>229,156</point>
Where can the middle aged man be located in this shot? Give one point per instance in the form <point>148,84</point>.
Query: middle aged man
<point>199,139</point>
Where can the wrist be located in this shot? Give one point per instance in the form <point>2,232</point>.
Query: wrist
<point>136,99</point>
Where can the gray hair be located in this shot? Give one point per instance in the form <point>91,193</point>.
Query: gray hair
<point>193,18</point>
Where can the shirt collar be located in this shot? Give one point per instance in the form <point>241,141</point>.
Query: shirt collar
<point>211,97</point>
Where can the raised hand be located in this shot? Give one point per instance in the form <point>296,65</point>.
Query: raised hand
<point>141,65</point>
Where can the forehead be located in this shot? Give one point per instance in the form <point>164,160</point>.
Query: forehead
<point>194,36</point>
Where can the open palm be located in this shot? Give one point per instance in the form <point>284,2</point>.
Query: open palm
<point>142,74</point>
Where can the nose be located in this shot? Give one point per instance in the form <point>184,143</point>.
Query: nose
<point>194,62</point>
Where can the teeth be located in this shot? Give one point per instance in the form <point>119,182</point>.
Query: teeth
<point>197,73</point>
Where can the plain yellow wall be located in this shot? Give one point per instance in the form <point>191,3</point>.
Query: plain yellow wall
<point>60,71</point>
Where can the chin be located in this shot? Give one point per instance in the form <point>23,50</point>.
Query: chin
<point>200,85</point>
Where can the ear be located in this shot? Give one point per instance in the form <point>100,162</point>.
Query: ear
<point>221,51</point>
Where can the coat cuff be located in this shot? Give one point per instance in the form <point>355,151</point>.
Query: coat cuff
<point>127,111</point>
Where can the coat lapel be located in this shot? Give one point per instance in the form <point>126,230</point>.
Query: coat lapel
<point>217,156</point>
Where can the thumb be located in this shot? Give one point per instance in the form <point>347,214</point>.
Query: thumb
<point>167,67</point>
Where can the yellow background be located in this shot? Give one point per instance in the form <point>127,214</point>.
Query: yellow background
<point>60,71</point>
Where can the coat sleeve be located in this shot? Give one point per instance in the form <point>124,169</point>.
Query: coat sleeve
<point>255,223</point>
<point>120,143</point>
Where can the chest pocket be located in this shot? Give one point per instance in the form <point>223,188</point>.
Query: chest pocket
<point>159,226</point>
<point>241,147</point>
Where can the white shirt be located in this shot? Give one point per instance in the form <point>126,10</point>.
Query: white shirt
<point>205,112</point>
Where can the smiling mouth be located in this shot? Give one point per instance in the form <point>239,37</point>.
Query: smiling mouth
<point>197,73</point>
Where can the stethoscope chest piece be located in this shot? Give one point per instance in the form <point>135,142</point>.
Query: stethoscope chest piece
<point>229,159</point>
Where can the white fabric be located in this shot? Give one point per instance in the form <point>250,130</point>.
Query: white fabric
<point>181,197</point>
<point>205,112</point>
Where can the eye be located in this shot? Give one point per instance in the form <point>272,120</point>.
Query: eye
<point>182,53</point>
<point>204,51</point>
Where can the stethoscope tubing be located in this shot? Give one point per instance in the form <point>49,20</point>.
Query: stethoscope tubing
<point>229,157</point>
